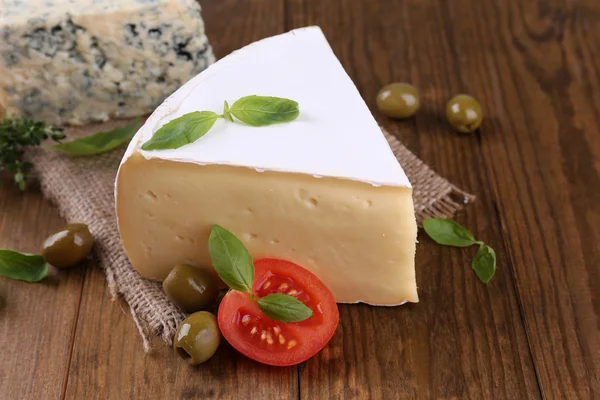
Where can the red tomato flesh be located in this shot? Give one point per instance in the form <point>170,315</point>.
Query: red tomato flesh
<point>260,338</point>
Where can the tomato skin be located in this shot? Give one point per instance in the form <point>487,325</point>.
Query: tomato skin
<point>270,342</point>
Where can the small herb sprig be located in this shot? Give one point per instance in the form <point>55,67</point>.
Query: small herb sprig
<point>15,135</point>
<point>234,265</point>
<point>251,110</point>
<point>18,133</point>
<point>449,233</point>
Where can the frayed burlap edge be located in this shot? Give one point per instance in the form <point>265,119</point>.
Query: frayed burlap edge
<point>433,196</point>
<point>82,190</point>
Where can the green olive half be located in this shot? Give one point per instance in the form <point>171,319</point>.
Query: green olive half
<point>398,100</point>
<point>464,113</point>
<point>197,338</point>
<point>68,246</point>
<point>191,289</point>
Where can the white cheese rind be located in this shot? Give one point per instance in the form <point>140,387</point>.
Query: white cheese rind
<point>335,134</point>
<point>73,62</point>
<point>324,191</point>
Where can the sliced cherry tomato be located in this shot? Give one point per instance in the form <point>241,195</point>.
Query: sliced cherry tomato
<point>260,338</point>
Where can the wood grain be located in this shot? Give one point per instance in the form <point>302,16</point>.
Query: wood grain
<point>464,339</point>
<point>108,359</point>
<point>37,321</point>
<point>533,332</point>
<point>539,79</point>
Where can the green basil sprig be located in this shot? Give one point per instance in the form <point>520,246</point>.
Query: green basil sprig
<point>22,266</point>
<point>449,233</point>
<point>231,259</point>
<point>484,263</point>
<point>100,142</point>
<point>233,263</point>
<point>284,308</point>
<point>251,110</point>
<point>181,131</point>
<point>264,110</point>
<point>226,113</point>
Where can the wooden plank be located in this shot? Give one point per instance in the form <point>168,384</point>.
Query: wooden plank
<point>108,358</point>
<point>464,339</point>
<point>534,168</point>
<point>232,24</point>
<point>109,361</point>
<point>36,320</point>
<point>535,67</point>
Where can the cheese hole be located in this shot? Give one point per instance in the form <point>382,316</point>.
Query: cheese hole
<point>368,203</point>
<point>181,238</point>
<point>151,195</point>
<point>250,210</point>
<point>274,241</point>
<point>250,236</point>
<point>311,202</point>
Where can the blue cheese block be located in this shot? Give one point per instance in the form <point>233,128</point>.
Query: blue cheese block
<point>79,61</point>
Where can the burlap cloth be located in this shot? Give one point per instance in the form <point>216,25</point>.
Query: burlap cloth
<point>82,190</point>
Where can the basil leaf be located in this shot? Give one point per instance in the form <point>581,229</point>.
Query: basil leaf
<point>100,142</point>
<point>181,131</point>
<point>22,266</point>
<point>226,113</point>
<point>231,259</point>
<point>284,308</point>
<point>484,263</point>
<point>448,232</point>
<point>264,110</point>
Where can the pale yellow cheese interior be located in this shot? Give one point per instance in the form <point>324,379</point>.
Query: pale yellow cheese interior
<point>357,238</point>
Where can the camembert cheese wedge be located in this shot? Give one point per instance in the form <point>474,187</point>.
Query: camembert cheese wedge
<point>324,191</point>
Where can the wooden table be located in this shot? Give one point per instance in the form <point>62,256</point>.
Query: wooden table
<point>533,332</point>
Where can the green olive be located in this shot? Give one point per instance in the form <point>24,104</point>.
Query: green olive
<point>68,246</point>
<point>398,100</point>
<point>197,338</point>
<point>192,289</point>
<point>464,113</point>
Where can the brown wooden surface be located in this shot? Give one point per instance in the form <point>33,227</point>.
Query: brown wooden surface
<point>533,332</point>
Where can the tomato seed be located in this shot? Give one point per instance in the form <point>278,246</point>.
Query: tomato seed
<point>291,344</point>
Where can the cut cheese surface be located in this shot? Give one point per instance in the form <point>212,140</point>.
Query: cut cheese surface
<point>324,191</point>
